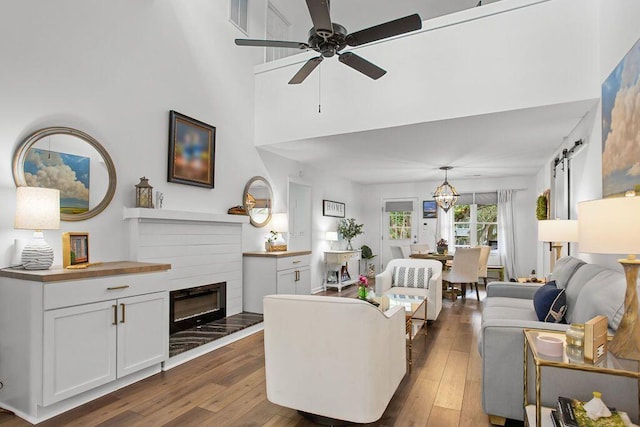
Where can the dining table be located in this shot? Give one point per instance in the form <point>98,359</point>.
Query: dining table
<point>443,258</point>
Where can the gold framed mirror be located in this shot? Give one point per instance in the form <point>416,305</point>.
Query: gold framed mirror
<point>71,161</point>
<point>257,200</point>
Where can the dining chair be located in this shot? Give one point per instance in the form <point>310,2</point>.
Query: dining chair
<point>396,252</point>
<point>464,269</point>
<point>419,249</point>
<point>483,263</point>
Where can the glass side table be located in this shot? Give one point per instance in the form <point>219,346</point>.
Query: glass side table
<point>536,414</point>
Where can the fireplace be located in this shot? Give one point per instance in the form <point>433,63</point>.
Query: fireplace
<point>193,306</point>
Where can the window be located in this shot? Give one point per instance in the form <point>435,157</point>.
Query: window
<point>238,14</point>
<point>400,225</point>
<point>278,28</point>
<point>475,220</point>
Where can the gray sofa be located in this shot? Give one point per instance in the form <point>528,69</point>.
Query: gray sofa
<point>590,290</point>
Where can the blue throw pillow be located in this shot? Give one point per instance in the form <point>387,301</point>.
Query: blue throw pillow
<point>550,303</point>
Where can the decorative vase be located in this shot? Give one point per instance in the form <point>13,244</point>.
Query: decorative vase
<point>349,247</point>
<point>362,292</point>
<point>371,271</point>
<point>441,249</point>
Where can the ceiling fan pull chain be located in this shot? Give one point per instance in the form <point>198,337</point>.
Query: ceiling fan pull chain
<point>320,89</point>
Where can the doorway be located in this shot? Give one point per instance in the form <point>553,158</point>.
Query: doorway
<point>399,226</point>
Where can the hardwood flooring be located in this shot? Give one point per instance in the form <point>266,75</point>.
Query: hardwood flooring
<point>227,387</point>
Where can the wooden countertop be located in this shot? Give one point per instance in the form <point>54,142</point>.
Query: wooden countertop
<point>277,254</point>
<point>57,273</point>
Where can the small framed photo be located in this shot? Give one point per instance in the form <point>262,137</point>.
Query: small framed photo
<point>192,149</point>
<point>75,248</point>
<point>331,208</point>
<point>429,209</point>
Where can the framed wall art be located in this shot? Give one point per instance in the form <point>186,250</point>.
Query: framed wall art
<point>75,248</point>
<point>429,209</point>
<point>192,146</point>
<point>331,208</point>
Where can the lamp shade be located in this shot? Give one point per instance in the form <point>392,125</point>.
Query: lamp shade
<point>37,208</point>
<point>558,230</point>
<point>331,236</point>
<point>280,223</point>
<point>610,226</point>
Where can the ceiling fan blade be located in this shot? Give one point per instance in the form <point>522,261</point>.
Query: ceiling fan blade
<point>272,43</point>
<point>358,63</point>
<point>306,69</point>
<point>319,11</point>
<point>388,29</point>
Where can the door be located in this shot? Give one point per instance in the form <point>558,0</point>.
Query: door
<point>299,216</point>
<point>79,350</point>
<point>143,332</point>
<point>399,227</point>
<point>303,285</point>
<point>287,282</point>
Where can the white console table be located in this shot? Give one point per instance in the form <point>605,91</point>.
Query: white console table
<point>335,263</point>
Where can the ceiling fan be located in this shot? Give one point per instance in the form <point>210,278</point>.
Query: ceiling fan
<point>329,39</point>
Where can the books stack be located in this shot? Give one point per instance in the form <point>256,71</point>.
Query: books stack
<point>571,413</point>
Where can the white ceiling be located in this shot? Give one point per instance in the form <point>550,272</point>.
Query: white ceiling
<point>512,143</point>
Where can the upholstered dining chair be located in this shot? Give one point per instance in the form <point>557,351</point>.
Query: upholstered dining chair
<point>464,269</point>
<point>419,249</point>
<point>396,252</point>
<point>483,264</point>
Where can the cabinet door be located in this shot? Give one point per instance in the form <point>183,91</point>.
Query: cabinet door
<point>79,350</point>
<point>287,282</point>
<point>303,285</point>
<point>143,332</point>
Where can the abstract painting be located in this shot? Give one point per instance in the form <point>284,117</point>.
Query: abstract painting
<point>621,127</point>
<point>191,151</point>
<point>66,172</point>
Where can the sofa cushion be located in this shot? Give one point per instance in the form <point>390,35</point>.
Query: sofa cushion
<point>509,313</point>
<point>601,292</point>
<point>411,277</point>
<point>564,269</point>
<point>520,303</point>
<point>550,303</point>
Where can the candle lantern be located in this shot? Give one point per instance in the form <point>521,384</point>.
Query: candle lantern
<point>144,194</point>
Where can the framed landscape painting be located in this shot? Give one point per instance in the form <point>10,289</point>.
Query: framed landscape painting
<point>620,118</point>
<point>192,145</point>
<point>67,172</point>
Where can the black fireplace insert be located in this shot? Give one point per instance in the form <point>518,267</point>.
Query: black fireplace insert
<point>193,306</point>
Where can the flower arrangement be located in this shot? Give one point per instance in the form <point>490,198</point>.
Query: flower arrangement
<point>442,245</point>
<point>349,229</point>
<point>363,287</point>
<point>363,281</point>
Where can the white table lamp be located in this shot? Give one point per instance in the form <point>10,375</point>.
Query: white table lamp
<point>556,231</point>
<point>279,224</point>
<point>612,226</point>
<point>37,209</point>
<point>331,236</point>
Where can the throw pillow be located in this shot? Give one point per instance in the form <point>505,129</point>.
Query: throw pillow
<point>550,303</point>
<point>412,277</point>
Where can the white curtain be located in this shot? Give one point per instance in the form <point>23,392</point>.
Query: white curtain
<point>507,233</point>
<point>444,228</point>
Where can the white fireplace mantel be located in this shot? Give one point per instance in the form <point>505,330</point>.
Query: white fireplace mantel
<point>171,215</point>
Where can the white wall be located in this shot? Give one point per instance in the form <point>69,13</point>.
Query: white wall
<point>524,210</point>
<point>520,54</point>
<point>618,31</point>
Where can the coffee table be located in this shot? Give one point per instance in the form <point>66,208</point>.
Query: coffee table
<point>414,308</point>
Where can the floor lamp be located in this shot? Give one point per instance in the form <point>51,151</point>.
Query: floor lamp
<point>612,226</point>
<point>556,231</point>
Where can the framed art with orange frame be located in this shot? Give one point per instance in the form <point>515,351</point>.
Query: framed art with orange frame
<point>75,248</point>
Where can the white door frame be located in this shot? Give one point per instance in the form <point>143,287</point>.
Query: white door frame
<point>383,245</point>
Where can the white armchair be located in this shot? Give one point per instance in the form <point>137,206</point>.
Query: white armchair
<point>384,283</point>
<point>363,349</point>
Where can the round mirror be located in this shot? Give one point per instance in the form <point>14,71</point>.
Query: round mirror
<point>258,201</point>
<point>74,163</point>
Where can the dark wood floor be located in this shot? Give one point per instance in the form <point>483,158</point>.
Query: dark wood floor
<point>227,387</point>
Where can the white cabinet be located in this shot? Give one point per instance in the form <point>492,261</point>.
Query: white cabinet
<point>72,332</point>
<point>268,273</point>
<point>338,273</point>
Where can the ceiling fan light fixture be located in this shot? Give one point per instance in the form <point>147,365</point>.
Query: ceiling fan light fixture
<point>445,195</point>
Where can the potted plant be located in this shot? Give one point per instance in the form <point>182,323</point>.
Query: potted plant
<point>367,254</point>
<point>349,229</point>
<point>442,246</point>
